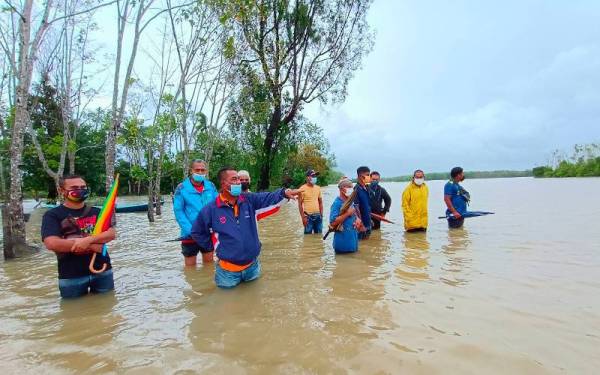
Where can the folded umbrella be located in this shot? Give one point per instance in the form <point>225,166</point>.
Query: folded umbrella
<point>468,214</point>
<point>103,221</point>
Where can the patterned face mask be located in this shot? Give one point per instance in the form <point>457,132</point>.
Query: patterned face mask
<point>77,195</point>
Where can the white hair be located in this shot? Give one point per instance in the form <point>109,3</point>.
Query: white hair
<point>243,173</point>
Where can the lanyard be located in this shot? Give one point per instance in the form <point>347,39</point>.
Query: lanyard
<point>236,209</point>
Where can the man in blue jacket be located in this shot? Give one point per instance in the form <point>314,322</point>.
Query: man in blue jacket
<point>228,226</point>
<point>191,196</point>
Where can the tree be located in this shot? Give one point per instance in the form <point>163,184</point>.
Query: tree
<point>125,9</point>
<point>303,51</point>
<point>49,134</point>
<point>142,14</point>
<point>206,76</point>
<point>305,147</point>
<point>22,58</point>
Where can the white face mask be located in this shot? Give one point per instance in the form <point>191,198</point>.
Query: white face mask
<point>348,191</point>
<point>419,181</point>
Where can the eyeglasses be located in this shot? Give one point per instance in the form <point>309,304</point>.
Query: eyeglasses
<point>76,188</point>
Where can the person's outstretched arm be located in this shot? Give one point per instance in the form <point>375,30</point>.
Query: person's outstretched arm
<point>267,199</point>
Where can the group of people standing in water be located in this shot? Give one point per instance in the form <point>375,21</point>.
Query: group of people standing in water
<point>221,224</point>
<point>359,209</point>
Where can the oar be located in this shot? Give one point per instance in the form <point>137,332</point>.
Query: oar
<point>381,218</point>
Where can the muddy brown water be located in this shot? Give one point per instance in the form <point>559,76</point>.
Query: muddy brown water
<point>517,292</point>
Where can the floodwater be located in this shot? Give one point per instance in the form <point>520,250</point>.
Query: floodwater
<point>513,293</point>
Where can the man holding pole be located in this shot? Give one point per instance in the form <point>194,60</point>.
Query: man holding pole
<point>343,216</point>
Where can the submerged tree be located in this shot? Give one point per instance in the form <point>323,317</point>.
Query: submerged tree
<point>24,29</point>
<point>303,51</point>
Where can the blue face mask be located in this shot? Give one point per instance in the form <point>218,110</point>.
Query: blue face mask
<point>235,190</point>
<point>313,180</point>
<point>374,183</point>
<point>198,177</point>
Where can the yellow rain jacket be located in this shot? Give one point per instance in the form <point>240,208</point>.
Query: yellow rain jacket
<point>414,206</point>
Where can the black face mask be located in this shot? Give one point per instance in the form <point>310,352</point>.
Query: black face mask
<point>245,186</point>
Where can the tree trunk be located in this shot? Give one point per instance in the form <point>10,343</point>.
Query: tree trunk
<point>71,162</point>
<point>8,249</point>
<point>111,147</point>
<point>14,239</point>
<point>15,235</point>
<point>150,186</point>
<point>264,178</point>
<point>161,155</point>
<point>52,191</point>
<point>2,181</point>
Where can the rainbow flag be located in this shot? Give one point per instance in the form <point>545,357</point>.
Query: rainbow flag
<point>108,210</point>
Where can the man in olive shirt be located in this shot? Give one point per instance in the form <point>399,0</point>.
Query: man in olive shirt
<point>310,204</point>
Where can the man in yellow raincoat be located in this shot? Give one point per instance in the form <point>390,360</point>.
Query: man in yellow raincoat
<point>414,203</point>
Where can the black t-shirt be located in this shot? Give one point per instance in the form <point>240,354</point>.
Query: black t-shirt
<point>72,265</point>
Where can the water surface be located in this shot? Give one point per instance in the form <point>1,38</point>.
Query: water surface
<point>515,292</point>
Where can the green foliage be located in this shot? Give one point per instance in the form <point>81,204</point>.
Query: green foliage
<point>299,145</point>
<point>583,162</point>
<point>289,54</point>
<point>468,174</point>
<point>543,171</point>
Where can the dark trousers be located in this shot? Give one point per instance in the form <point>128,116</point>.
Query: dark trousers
<point>456,223</point>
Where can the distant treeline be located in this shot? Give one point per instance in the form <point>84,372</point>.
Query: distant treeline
<point>470,175</point>
<point>583,162</point>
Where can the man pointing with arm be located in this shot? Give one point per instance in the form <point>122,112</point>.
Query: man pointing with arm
<point>228,226</point>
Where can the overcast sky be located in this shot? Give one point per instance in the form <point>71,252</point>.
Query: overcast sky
<point>481,84</point>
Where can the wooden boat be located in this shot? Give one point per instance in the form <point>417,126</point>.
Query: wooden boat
<point>134,207</point>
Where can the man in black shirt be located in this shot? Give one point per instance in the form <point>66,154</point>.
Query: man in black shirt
<point>66,230</point>
<point>376,195</point>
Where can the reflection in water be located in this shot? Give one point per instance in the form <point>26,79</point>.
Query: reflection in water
<point>458,257</point>
<point>416,256</point>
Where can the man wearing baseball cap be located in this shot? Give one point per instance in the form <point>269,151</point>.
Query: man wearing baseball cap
<point>310,204</point>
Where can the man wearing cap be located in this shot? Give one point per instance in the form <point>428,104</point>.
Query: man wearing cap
<point>310,204</point>
<point>244,180</point>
